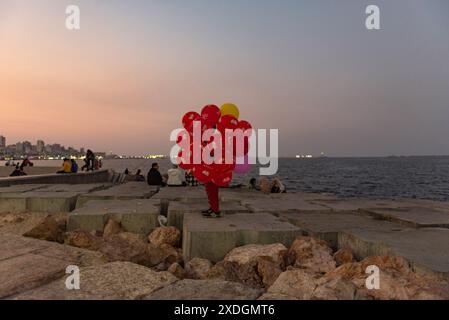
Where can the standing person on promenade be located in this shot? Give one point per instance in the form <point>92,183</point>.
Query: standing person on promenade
<point>154,177</point>
<point>89,161</point>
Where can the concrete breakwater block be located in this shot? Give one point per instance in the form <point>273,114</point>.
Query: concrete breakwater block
<point>360,204</point>
<point>136,215</point>
<point>82,188</point>
<point>417,217</point>
<point>22,188</point>
<point>279,205</point>
<point>426,248</point>
<point>111,281</point>
<point>177,210</point>
<point>185,194</point>
<point>51,202</point>
<point>126,191</point>
<point>213,238</point>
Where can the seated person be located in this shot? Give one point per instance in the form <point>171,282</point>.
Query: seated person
<point>154,177</point>
<point>253,184</point>
<point>66,166</point>
<point>74,166</point>
<point>175,177</point>
<point>264,185</point>
<point>277,187</point>
<point>18,172</point>
<point>139,177</point>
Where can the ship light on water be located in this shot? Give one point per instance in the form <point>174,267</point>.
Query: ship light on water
<point>304,156</point>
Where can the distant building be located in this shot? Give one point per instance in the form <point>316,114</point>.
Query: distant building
<point>40,146</point>
<point>2,142</point>
<point>19,147</point>
<point>27,147</point>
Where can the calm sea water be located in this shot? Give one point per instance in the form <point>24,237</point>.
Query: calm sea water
<point>417,177</point>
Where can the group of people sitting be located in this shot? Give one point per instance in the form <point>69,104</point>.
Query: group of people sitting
<point>175,177</point>
<point>265,186</point>
<point>91,163</point>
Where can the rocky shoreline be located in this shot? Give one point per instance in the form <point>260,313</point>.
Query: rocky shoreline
<point>308,269</point>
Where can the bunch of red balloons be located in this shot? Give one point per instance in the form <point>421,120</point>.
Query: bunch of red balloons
<point>213,120</point>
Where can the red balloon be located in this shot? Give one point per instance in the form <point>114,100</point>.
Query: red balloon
<point>227,122</point>
<point>244,125</point>
<point>188,119</point>
<point>202,173</point>
<point>222,178</point>
<point>210,115</point>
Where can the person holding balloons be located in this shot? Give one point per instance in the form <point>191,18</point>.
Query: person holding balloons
<point>219,173</point>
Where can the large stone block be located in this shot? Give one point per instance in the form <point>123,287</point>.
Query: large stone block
<point>111,281</point>
<point>27,263</point>
<point>205,290</point>
<point>136,215</point>
<point>50,202</point>
<point>177,210</point>
<point>213,238</point>
<point>126,191</point>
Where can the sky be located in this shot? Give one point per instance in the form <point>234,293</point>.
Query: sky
<point>311,69</point>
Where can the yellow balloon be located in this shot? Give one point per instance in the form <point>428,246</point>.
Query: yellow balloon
<point>230,109</point>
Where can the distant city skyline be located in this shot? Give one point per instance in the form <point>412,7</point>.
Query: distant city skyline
<point>308,68</point>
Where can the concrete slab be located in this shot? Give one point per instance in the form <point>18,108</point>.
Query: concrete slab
<point>28,263</point>
<point>12,203</point>
<point>136,215</point>
<point>51,202</point>
<point>185,194</point>
<point>280,205</point>
<point>22,188</point>
<point>111,281</point>
<point>425,248</point>
<point>177,210</point>
<point>213,238</point>
<point>357,204</point>
<point>328,225</point>
<point>417,217</point>
<point>126,191</point>
<point>81,188</point>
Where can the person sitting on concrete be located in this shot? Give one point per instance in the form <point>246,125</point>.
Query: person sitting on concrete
<point>126,171</point>
<point>277,187</point>
<point>154,177</point>
<point>18,172</point>
<point>74,166</point>
<point>139,177</point>
<point>66,166</point>
<point>253,185</point>
<point>190,179</point>
<point>264,185</point>
<point>175,177</point>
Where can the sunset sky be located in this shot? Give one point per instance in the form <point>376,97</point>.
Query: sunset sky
<point>309,68</point>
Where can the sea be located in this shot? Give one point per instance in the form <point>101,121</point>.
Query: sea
<point>389,177</point>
